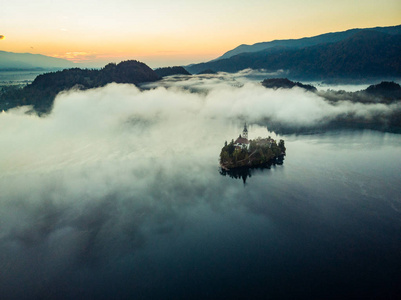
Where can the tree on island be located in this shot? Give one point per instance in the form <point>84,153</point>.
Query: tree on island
<point>257,152</point>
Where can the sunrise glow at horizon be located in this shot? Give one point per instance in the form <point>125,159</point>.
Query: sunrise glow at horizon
<point>178,32</point>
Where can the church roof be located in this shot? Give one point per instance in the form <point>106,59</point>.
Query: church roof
<point>241,140</point>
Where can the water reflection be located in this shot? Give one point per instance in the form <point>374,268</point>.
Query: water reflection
<point>245,172</point>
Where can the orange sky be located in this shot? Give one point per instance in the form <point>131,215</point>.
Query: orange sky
<point>178,32</point>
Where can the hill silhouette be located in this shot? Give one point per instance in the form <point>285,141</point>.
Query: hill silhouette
<point>365,54</point>
<point>42,91</point>
<point>276,83</point>
<point>168,71</point>
<point>326,38</point>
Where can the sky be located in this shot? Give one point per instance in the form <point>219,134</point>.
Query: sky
<point>177,32</point>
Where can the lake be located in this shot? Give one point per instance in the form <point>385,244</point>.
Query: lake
<point>18,77</point>
<point>127,202</point>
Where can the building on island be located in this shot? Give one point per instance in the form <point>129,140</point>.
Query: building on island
<point>242,141</point>
<point>245,132</point>
<point>264,142</point>
<point>250,153</point>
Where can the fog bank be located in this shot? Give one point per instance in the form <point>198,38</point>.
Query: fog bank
<point>110,169</point>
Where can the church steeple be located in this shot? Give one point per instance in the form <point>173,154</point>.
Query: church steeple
<point>245,132</point>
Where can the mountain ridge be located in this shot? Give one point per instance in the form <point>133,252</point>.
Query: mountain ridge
<point>306,41</point>
<point>29,61</point>
<point>365,54</point>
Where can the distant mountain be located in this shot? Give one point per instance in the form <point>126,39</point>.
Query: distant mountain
<point>42,91</point>
<point>357,53</point>
<point>28,61</point>
<point>168,71</point>
<point>326,38</point>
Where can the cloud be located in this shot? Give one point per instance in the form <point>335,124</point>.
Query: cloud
<point>82,120</point>
<point>78,56</point>
<point>207,82</point>
<point>234,96</point>
<point>2,37</point>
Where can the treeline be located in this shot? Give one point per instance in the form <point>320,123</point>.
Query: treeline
<point>42,91</point>
<point>168,71</point>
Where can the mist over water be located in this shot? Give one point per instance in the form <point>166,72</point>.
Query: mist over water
<point>117,194</point>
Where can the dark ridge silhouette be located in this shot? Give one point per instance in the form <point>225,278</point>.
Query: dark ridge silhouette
<point>207,71</point>
<point>385,89</point>
<point>285,83</point>
<point>42,91</point>
<point>366,54</point>
<point>384,92</point>
<point>326,38</point>
<point>168,71</point>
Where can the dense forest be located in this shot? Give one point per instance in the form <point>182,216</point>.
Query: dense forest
<point>42,91</point>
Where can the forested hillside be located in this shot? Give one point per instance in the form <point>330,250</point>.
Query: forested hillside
<point>42,91</point>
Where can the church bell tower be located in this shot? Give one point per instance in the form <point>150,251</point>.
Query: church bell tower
<point>245,132</point>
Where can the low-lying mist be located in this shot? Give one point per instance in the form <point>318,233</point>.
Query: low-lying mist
<point>121,121</point>
<point>110,165</point>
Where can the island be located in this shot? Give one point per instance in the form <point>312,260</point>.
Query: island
<point>250,153</point>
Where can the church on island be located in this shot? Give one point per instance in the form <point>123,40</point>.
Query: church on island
<point>250,153</point>
<point>242,141</point>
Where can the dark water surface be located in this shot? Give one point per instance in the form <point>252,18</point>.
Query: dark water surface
<point>326,224</point>
<point>18,77</point>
